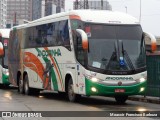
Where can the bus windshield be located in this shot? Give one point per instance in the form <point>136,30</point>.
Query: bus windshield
<point>115,47</point>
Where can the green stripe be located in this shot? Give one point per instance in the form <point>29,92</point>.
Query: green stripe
<point>59,70</point>
<point>53,76</point>
<point>54,80</point>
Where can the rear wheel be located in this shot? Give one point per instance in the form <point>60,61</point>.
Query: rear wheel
<point>72,97</point>
<point>20,87</point>
<point>26,85</point>
<point>27,89</point>
<point>121,99</point>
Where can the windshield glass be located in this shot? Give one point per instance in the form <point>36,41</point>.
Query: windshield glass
<point>115,47</point>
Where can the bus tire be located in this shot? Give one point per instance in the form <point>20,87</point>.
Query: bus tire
<point>121,99</point>
<point>26,85</point>
<point>2,86</point>
<point>72,97</point>
<point>20,86</point>
<point>35,91</point>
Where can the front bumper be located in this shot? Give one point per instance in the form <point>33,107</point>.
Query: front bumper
<point>5,79</point>
<point>106,90</point>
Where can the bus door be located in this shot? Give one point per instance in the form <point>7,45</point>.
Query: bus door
<point>80,56</point>
<point>81,79</point>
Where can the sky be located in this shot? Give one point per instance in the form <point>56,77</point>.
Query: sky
<point>150,12</point>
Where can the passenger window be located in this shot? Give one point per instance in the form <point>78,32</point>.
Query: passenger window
<point>51,34</point>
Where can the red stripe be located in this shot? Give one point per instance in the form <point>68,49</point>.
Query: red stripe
<point>55,68</point>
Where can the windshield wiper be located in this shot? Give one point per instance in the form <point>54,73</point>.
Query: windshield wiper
<point>114,57</point>
<point>124,52</point>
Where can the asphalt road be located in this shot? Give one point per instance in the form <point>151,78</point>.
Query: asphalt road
<point>11,100</point>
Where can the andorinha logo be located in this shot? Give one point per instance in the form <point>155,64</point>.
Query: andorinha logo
<point>46,53</point>
<point>119,78</point>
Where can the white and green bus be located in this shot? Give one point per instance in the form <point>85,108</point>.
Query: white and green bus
<point>4,74</point>
<point>80,52</point>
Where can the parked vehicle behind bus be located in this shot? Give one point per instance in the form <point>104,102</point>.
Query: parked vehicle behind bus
<point>81,52</point>
<point>4,74</point>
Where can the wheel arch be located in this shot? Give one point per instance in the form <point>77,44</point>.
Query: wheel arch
<point>67,78</point>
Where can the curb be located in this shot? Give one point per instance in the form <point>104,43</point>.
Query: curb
<point>155,100</point>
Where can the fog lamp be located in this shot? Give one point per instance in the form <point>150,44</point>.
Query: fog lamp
<point>142,89</point>
<point>94,89</point>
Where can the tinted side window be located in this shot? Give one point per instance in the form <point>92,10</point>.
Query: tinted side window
<point>63,34</point>
<point>30,38</point>
<point>51,34</point>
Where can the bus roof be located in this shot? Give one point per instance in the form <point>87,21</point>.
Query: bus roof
<point>19,26</point>
<point>95,16</point>
<point>5,33</point>
<point>102,16</point>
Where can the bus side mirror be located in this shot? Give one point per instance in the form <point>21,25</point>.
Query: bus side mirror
<point>1,49</point>
<point>84,38</point>
<point>149,38</point>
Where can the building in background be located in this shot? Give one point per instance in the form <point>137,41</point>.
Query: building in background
<point>41,8</point>
<point>92,4</point>
<point>3,13</point>
<point>54,6</point>
<point>38,9</point>
<point>18,11</point>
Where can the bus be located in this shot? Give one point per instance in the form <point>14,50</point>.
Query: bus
<point>4,74</point>
<point>80,53</point>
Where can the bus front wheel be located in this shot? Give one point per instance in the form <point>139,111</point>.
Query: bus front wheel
<point>72,97</point>
<point>121,99</point>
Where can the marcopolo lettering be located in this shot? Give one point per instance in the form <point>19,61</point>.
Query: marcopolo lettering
<point>119,78</point>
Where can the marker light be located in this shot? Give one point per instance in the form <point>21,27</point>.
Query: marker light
<point>94,89</point>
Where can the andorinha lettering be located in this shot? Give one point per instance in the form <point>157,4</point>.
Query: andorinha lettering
<point>119,78</point>
<point>46,53</point>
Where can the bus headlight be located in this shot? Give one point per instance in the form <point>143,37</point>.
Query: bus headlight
<point>142,79</point>
<point>94,79</point>
<point>6,72</point>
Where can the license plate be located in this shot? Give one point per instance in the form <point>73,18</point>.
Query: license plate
<point>119,90</point>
